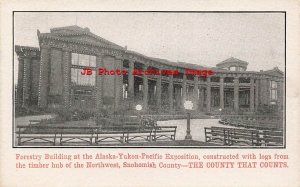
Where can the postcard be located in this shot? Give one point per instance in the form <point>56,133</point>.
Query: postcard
<point>98,95</point>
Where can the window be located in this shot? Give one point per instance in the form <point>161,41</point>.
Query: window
<point>79,79</point>
<point>215,79</point>
<point>125,91</point>
<point>140,87</point>
<point>273,84</point>
<point>228,80</point>
<point>83,98</point>
<point>244,80</point>
<point>232,68</point>
<point>273,92</point>
<point>81,60</point>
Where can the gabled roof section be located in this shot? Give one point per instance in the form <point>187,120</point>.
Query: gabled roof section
<point>275,71</point>
<point>233,60</point>
<point>79,34</point>
<point>67,29</point>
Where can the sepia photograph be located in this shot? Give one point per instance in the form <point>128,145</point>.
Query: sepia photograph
<point>149,79</point>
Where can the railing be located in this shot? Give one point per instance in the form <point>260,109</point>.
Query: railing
<point>126,133</point>
<point>252,122</point>
<point>237,136</point>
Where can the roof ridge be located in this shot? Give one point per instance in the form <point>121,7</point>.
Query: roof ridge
<point>232,59</point>
<point>66,27</point>
<point>49,35</point>
<point>83,31</point>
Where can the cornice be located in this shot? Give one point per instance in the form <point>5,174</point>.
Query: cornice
<point>25,51</point>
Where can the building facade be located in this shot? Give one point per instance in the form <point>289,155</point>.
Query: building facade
<point>50,77</point>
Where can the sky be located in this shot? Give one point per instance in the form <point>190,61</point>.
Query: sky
<point>199,38</point>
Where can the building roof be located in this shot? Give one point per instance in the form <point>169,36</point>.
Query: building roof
<point>79,34</point>
<point>274,71</point>
<point>22,48</point>
<point>233,60</point>
<point>27,51</point>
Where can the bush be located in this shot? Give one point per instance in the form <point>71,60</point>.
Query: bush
<point>265,109</point>
<point>27,111</point>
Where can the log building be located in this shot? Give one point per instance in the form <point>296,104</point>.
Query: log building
<point>49,77</point>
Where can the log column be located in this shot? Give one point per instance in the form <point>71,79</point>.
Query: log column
<point>222,92</point>
<point>280,91</point>
<point>256,94</point>
<point>145,90</point>
<point>183,99</point>
<point>26,81</point>
<point>67,78</point>
<point>99,84</point>
<point>131,83</point>
<point>201,98</point>
<point>44,77</point>
<point>263,91</point>
<point>118,84</point>
<point>268,94</point>
<point>195,92</point>
<point>251,94</point>
<point>158,92</point>
<point>201,95</point>
<point>171,90</point>
<point>208,95</point>
<point>20,81</point>
<point>236,94</point>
